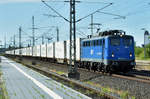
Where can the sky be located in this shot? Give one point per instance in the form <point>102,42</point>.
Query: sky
<point>16,13</point>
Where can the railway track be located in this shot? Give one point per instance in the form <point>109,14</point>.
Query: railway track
<point>135,75</point>
<point>129,76</point>
<point>138,78</point>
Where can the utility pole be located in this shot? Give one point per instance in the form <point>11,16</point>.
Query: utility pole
<point>5,41</point>
<point>30,43</point>
<point>73,70</point>
<point>14,44</point>
<point>20,30</point>
<point>33,31</point>
<point>144,47</point>
<point>42,39</point>
<point>92,24</point>
<point>14,41</point>
<point>57,29</point>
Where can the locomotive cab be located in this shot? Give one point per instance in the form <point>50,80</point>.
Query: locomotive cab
<point>121,53</point>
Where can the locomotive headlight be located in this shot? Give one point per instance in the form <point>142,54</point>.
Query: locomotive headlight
<point>130,54</point>
<point>113,55</point>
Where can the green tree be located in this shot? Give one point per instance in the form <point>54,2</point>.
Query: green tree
<point>148,50</point>
<point>138,51</point>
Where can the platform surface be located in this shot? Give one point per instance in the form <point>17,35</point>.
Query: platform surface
<point>24,83</point>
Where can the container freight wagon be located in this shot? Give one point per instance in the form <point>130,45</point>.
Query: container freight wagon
<point>78,50</point>
<point>44,50</point>
<point>24,51</point>
<point>27,51</point>
<point>38,50</point>
<point>17,52</point>
<point>7,52</point>
<point>34,51</point>
<point>60,51</point>
<point>30,51</point>
<point>51,51</point>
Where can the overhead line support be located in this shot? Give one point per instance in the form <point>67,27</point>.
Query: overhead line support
<point>33,31</point>
<point>73,70</point>
<point>20,46</point>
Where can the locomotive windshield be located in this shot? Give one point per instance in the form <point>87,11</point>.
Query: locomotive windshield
<point>115,41</point>
<point>127,41</point>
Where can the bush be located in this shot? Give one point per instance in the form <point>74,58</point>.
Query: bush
<point>138,51</point>
<point>148,50</point>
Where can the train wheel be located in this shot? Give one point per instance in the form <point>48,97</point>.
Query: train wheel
<point>107,69</point>
<point>94,67</point>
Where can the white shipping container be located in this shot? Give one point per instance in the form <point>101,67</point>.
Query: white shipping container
<point>38,50</point>
<point>24,51</point>
<point>17,51</point>
<point>50,50</point>
<point>35,51</point>
<point>28,51</point>
<point>7,52</point>
<point>60,50</point>
<point>11,52</point>
<point>78,49</point>
<point>43,50</point>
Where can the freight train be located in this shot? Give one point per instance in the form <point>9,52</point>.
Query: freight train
<point>108,51</point>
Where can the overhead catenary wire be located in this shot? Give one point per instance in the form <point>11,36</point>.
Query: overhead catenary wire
<point>94,12</point>
<point>55,11</point>
<point>77,1</point>
<point>123,17</point>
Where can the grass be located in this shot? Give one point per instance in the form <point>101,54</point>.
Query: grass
<point>80,96</point>
<point>60,72</point>
<point>142,58</point>
<point>62,86</point>
<point>123,94</point>
<point>3,91</point>
<point>139,54</point>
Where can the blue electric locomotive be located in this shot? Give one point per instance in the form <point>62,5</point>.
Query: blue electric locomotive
<point>109,51</point>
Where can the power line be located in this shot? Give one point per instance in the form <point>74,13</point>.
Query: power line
<point>55,11</point>
<point>94,12</point>
<point>123,17</point>
<point>66,1</point>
